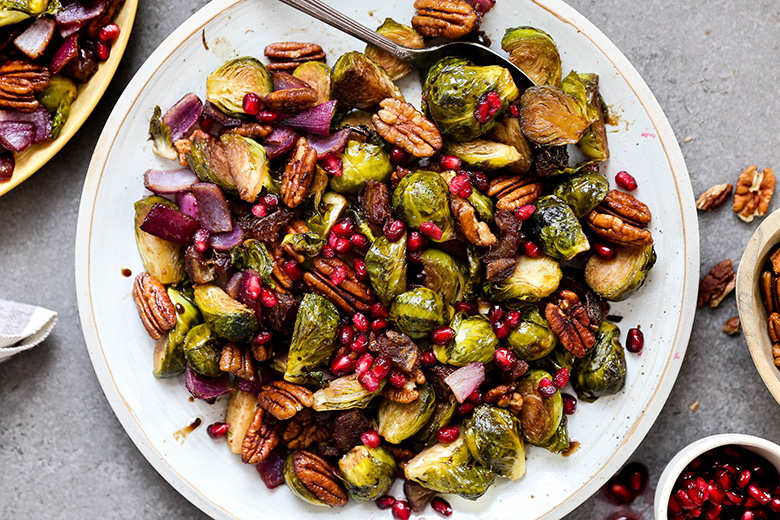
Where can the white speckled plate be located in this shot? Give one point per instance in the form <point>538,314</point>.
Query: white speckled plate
<point>152,410</point>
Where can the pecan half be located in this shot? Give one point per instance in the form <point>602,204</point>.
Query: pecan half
<point>286,56</point>
<point>475,231</point>
<point>753,193</point>
<point>298,174</point>
<point>283,400</point>
<point>769,291</point>
<point>237,361</point>
<point>319,477</point>
<point>717,284</point>
<point>776,353</point>
<point>291,100</point>
<point>620,218</point>
<point>20,81</point>
<point>569,320</point>
<point>154,305</point>
<point>406,394</point>
<point>303,431</point>
<point>504,396</point>
<point>252,130</point>
<point>773,324</point>
<point>774,259</point>
<point>731,327</point>
<point>403,125</point>
<point>260,439</point>
<point>445,18</point>
<point>714,197</point>
<point>350,296</point>
<point>514,191</point>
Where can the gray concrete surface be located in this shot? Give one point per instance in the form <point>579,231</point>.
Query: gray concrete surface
<point>712,64</point>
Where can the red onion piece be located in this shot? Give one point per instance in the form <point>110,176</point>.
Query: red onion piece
<point>205,387</point>
<point>329,145</point>
<point>315,120</point>
<point>253,387</point>
<point>7,165</point>
<point>16,136</point>
<point>233,287</point>
<point>213,209</point>
<point>483,6</point>
<point>187,204</point>
<point>183,115</point>
<point>285,80</point>
<point>279,141</point>
<point>465,380</point>
<point>169,181</point>
<point>225,241</point>
<point>34,40</point>
<point>272,468</point>
<point>170,224</point>
<point>40,118</point>
<point>76,12</point>
<point>66,52</point>
<point>69,29</point>
<point>219,116</point>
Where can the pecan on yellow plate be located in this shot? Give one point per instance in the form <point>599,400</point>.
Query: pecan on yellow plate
<point>20,81</point>
<point>319,477</point>
<point>283,400</point>
<point>154,305</point>
<point>714,197</point>
<point>445,18</point>
<point>753,193</point>
<point>404,126</point>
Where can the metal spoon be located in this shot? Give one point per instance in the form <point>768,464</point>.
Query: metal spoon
<point>420,59</point>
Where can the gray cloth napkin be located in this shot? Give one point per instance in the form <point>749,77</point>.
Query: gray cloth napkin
<point>22,327</point>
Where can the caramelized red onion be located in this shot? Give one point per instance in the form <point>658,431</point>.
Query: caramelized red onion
<point>187,204</point>
<point>279,141</point>
<point>40,118</point>
<point>329,145</point>
<point>182,116</point>
<point>219,116</point>
<point>225,241</point>
<point>315,120</point>
<point>66,52</point>
<point>34,40</point>
<point>169,224</point>
<point>163,182</point>
<point>205,387</point>
<point>465,380</point>
<point>16,136</point>
<point>77,13</point>
<point>213,209</point>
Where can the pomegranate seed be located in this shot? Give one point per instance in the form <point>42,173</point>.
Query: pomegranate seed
<point>217,430</point>
<point>531,249</point>
<point>360,344</point>
<point>759,495</point>
<point>385,502</point>
<point>604,251</point>
<point>201,240</point>
<point>378,310</point>
<point>475,397</point>
<point>252,104</point>
<point>495,314</point>
<point>327,251</point>
<point>342,365</point>
<point>428,358</point>
<point>432,230</point>
<point>402,510</point>
<point>636,475</point>
<point>379,324</point>
<point>513,319</point>
<point>712,511</point>
<point>469,308</point>
<point>561,377</point>
<point>399,156</point>
<point>253,287</point>
<point>360,241</point>
<point>415,241</point>
<point>750,503</point>
<point>397,378</point>
<point>206,123</point>
<point>620,494</point>
<point>262,338</point>
<point>333,165</point>
<point>442,335</point>
<point>514,110</point>
<point>482,112</point>
<point>267,117</point>
<point>674,506</point>
<point>450,162</point>
<point>381,367</point>
<point>109,33</point>
<point>342,245</point>
<point>636,341</point>
<point>774,504</point>
<point>459,184</point>
<point>360,321</point>
<point>292,269</point>
<point>626,181</point>
<point>504,359</point>
<point>743,479</point>
<point>346,335</point>
<point>441,506</point>
<point>338,275</point>
<point>259,210</point>
<point>268,298</point>
<point>715,493</point>
<point>394,230</point>
<point>269,200</point>
<point>447,434</point>
<point>103,51</point>
<point>361,271</point>
<point>524,212</point>
<point>682,498</point>
<point>415,257</point>
<point>369,381</point>
<point>344,227</point>
<point>479,180</point>
<point>547,388</point>
<point>493,100</point>
<point>748,515</point>
<point>501,329</point>
<point>364,363</point>
<point>569,404</point>
<point>464,408</point>
<point>723,479</point>
<point>735,498</point>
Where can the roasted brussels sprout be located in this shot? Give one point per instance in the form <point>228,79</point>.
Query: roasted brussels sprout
<point>446,468</point>
<point>418,312</point>
<point>550,117</point>
<point>533,279</point>
<point>228,318</point>
<point>540,416</point>
<point>594,142</point>
<point>535,53</point>
<point>386,265</point>
<point>603,369</point>
<point>307,244</point>
<point>361,162</point>
<point>472,278</point>
<point>582,192</point>
<point>483,205</point>
<point>533,338</point>
<point>399,421</point>
<point>367,472</point>
<point>619,278</point>
<point>313,340</point>
<point>442,416</point>
<point>560,233</point>
<point>160,134</point>
<point>455,91</point>
<point>317,75</point>
<point>57,98</point>
<point>559,442</point>
<point>474,341</point>
<point>252,254</point>
<point>402,35</point>
<point>227,86</point>
<point>424,197</point>
<point>202,349</point>
<point>343,393</point>
<point>494,440</point>
<point>358,82</point>
<point>508,131</point>
<point>162,259</point>
<point>444,275</point>
<point>330,210</point>
<point>483,155</point>
<point>169,360</point>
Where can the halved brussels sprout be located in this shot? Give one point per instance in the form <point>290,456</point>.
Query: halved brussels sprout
<point>582,192</point>
<point>472,276</point>
<point>227,86</point>
<point>424,197</point>
<point>308,244</point>
<point>442,416</point>
<point>386,265</point>
<point>418,312</point>
<point>444,275</point>
<point>330,210</point>
<point>57,98</point>
<point>367,472</point>
<point>508,131</point>
<point>402,35</point>
<point>557,359</point>
<point>358,82</point>
<point>494,439</point>
<point>550,117</point>
<point>252,254</point>
<point>540,416</point>
<point>169,360</point>
<point>474,341</point>
<point>317,75</point>
<point>619,278</point>
<point>29,7</point>
<point>399,421</point>
<point>361,162</point>
<point>533,279</point>
<point>314,336</point>
<point>559,442</point>
<point>446,468</point>
<point>483,155</point>
<point>483,205</point>
<point>603,369</point>
<point>228,318</point>
<point>560,233</point>
<point>160,134</point>
<point>594,142</point>
<point>343,393</point>
<point>248,165</point>
<point>535,53</point>
<point>533,338</point>
<point>202,349</point>
<point>162,259</point>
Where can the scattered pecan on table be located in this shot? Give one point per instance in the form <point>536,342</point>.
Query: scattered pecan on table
<point>717,284</point>
<point>753,193</point>
<point>714,197</point>
<point>731,327</point>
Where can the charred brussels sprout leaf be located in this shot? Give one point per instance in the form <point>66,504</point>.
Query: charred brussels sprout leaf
<point>559,442</point>
<point>313,340</point>
<point>533,338</point>
<point>227,86</point>
<point>330,210</point>
<point>619,278</point>
<point>202,349</point>
<point>361,162</point>
<point>249,168</point>
<point>540,416</point>
<point>508,131</point>
<point>494,440</point>
<point>483,155</point>
<point>252,254</point>
<point>424,197</point>
<point>402,35</point>
<point>533,279</point>
<point>317,75</point>
<point>418,312</point>
<point>560,233</point>
<point>603,369</point>
<point>227,318</point>
<point>474,341</point>
<point>358,82</point>
<point>57,98</point>
<point>444,275</point>
<point>386,264</point>
<point>169,359</point>
<point>307,244</point>
<point>582,192</point>
<point>399,421</point>
<point>367,472</point>
<point>585,89</point>
<point>535,53</point>
<point>343,393</point>
<point>550,117</point>
<point>162,259</point>
<point>160,134</point>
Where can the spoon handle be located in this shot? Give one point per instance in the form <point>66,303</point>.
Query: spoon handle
<point>330,16</point>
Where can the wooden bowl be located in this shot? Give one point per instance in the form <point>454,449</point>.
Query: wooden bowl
<point>752,313</point>
<point>32,159</point>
